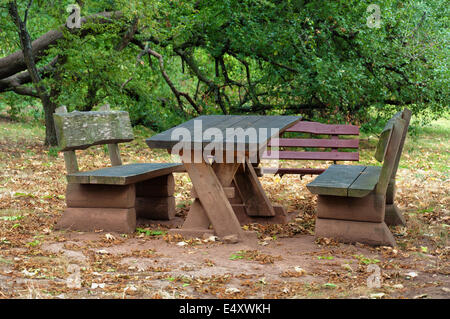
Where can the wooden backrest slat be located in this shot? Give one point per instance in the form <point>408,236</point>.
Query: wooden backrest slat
<point>385,137</point>
<point>80,130</point>
<point>311,142</point>
<point>406,115</point>
<point>392,150</point>
<point>324,129</point>
<point>322,156</point>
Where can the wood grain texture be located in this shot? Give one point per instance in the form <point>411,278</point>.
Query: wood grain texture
<point>390,156</point>
<point>335,180</point>
<point>324,129</point>
<point>70,160</point>
<point>114,154</point>
<point>323,156</point>
<point>213,199</point>
<point>251,192</point>
<point>312,142</point>
<point>385,137</point>
<point>222,123</point>
<point>365,183</point>
<point>125,174</point>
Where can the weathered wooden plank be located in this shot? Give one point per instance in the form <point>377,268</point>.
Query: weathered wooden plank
<point>80,130</point>
<point>70,160</point>
<point>385,137</point>
<point>293,170</point>
<point>123,175</point>
<point>324,129</point>
<point>213,200</point>
<point>197,217</point>
<point>222,123</point>
<point>365,183</point>
<point>335,180</point>
<point>324,156</point>
<point>311,142</point>
<point>406,116</point>
<point>251,192</point>
<point>392,150</point>
<point>114,154</point>
<point>229,192</point>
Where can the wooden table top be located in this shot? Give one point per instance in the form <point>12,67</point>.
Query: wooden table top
<point>194,130</point>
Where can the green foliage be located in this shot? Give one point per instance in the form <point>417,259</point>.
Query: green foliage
<point>316,58</point>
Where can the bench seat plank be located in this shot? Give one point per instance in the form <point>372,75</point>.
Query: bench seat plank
<point>336,180</point>
<point>365,183</point>
<point>125,174</point>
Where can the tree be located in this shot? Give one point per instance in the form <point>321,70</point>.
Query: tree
<point>165,61</point>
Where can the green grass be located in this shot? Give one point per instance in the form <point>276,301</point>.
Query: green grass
<point>426,147</point>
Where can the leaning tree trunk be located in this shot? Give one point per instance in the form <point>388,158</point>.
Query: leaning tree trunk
<point>25,42</point>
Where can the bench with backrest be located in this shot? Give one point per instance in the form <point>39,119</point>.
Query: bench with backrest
<point>110,198</point>
<point>331,148</point>
<point>355,201</point>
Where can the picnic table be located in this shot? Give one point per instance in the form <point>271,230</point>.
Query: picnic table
<point>230,175</point>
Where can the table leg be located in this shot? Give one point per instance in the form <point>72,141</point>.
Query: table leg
<point>251,192</point>
<point>212,205</point>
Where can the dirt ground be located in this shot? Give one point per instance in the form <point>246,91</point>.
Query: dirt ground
<point>284,261</point>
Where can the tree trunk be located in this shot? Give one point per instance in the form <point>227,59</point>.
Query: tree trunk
<point>26,45</point>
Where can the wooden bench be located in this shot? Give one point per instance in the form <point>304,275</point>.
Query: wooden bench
<point>356,202</point>
<point>111,198</point>
<point>324,149</point>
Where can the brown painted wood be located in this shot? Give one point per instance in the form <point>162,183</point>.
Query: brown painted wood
<point>229,192</point>
<point>279,218</point>
<point>323,156</point>
<point>311,142</point>
<point>197,217</point>
<point>213,199</point>
<point>324,129</point>
<point>293,170</point>
<point>251,192</point>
